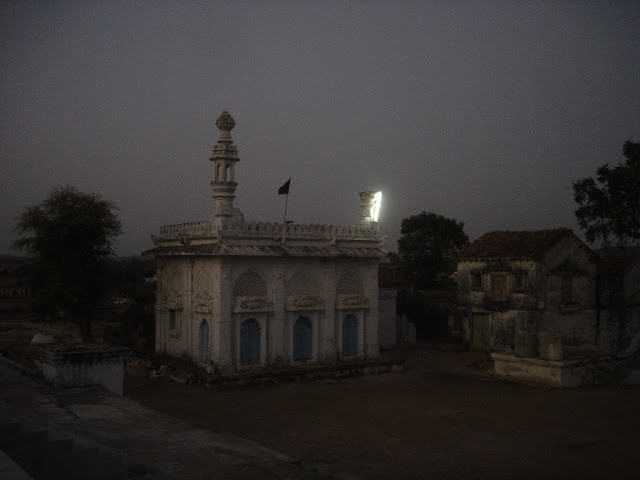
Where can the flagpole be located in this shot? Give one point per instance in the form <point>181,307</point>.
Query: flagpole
<point>285,189</point>
<point>286,203</point>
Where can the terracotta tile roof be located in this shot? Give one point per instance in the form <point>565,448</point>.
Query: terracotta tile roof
<point>524,244</point>
<point>617,260</point>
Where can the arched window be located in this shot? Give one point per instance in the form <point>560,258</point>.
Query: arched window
<point>204,341</point>
<point>305,282</point>
<point>302,339</point>
<point>349,336</point>
<point>250,342</point>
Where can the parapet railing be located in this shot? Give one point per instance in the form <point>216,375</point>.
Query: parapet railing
<point>269,229</point>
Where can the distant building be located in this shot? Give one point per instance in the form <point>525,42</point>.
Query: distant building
<point>529,281</point>
<point>240,294</point>
<point>394,327</point>
<point>619,298</point>
<point>547,281</point>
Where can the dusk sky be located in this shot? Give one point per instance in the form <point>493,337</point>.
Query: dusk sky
<point>485,112</point>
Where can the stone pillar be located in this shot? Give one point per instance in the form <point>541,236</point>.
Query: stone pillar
<point>187,312</point>
<point>223,327</point>
<point>372,349</point>
<point>159,308</point>
<point>277,347</point>
<point>328,352</point>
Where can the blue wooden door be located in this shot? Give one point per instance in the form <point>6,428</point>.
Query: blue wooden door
<point>249,343</point>
<point>349,336</point>
<point>204,341</point>
<point>302,339</point>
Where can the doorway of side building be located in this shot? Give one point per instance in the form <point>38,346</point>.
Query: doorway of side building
<point>250,342</point>
<point>349,336</point>
<point>204,341</point>
<point>302,339</point>
<point>481,331</point>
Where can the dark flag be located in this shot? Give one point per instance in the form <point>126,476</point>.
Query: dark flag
<point>284,189</point>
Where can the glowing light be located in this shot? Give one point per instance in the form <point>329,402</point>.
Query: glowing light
<point>375,209</point>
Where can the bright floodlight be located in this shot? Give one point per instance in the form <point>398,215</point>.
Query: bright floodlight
<point>375,209</point>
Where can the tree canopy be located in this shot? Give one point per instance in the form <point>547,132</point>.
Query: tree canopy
<point>429,246</point>
<point>609,205</point>
<point>70,233</point>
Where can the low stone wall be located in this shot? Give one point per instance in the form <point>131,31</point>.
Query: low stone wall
<point>315,372</point>
<point>82,365</point>
<point>263,375</point>
<point>561,373</point>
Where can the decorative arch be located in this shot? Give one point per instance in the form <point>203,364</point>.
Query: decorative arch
<point>174,287</point>
<point>203,287</point>
<point>304,291</point>
<point>304,282</point>
<point>250,293</point>
<point>174,282</point>
<point>203,281</point>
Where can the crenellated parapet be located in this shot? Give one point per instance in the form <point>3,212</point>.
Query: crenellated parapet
<point>192,228</point>
<point>206,229</point>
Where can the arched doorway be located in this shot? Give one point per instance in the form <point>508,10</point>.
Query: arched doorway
<point>302,339</point>
<point>349,336</point>
<point>204,341</point>
<point>249,342</point>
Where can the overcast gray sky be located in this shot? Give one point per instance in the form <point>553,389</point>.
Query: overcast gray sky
<point>481,111</point>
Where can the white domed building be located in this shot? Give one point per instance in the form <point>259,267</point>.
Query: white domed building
<point>241,294</point>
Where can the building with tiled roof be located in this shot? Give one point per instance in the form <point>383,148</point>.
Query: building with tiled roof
<point>529,245</point>
<point>237,294</point>
<point>526,281</point>
<point>547,281</point>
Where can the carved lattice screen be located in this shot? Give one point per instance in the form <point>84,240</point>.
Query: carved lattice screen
<point>250,284</point>
<point>350,284</point>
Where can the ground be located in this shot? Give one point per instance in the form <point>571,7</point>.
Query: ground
<point>443,418</point>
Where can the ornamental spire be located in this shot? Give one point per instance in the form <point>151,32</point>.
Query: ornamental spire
<point>224,156</point>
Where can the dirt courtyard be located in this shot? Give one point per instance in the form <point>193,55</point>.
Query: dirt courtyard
<point>442,418</point>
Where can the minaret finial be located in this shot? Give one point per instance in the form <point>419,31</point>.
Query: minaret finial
<point>225,122</point>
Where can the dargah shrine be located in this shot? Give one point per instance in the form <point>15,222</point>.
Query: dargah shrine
<point>236,294</point>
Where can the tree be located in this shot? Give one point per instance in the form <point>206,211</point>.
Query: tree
<point>429,246</point>
<point>609,206</point>
<point>71,235</point>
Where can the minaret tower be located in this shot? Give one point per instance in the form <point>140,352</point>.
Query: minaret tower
<point>224,157</point>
